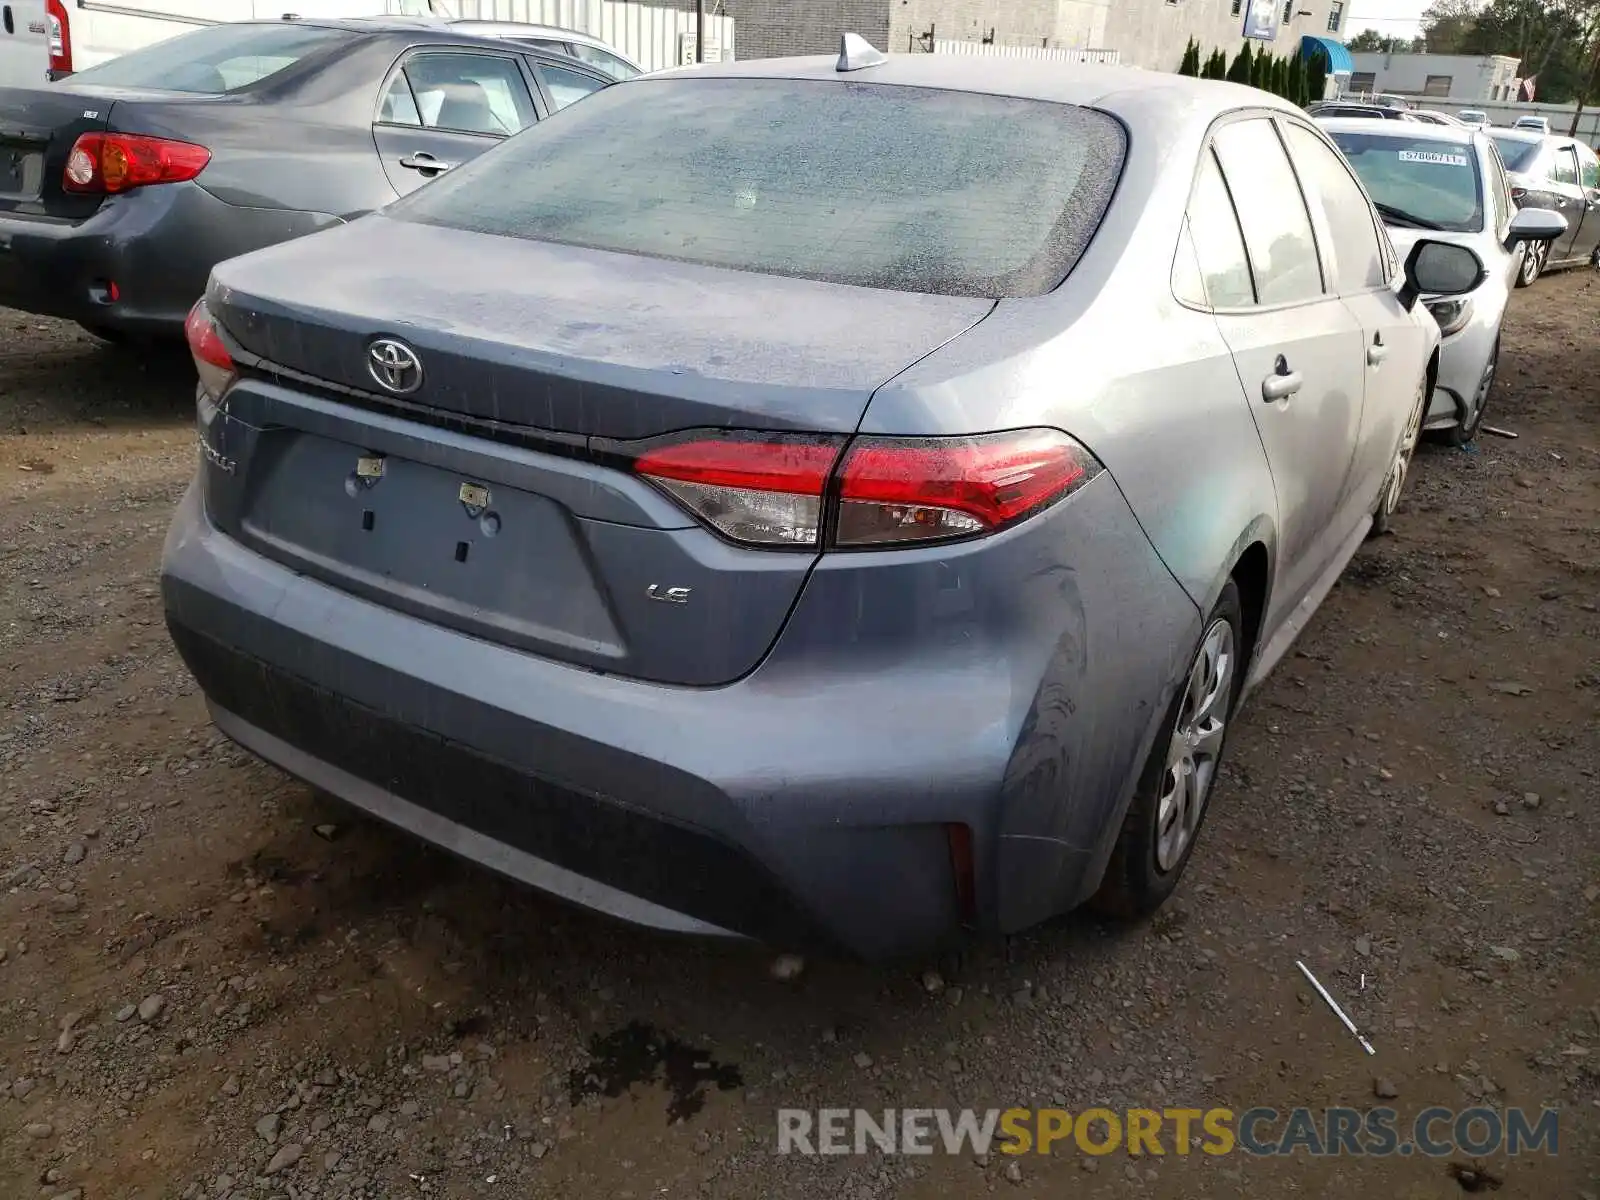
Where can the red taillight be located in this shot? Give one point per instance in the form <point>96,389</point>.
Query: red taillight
<point>762,490</point>
<point>108,163</point>
<point>1519,193</point>
<point>772,490</point>
<point>60,38</point>
<point>211,357</point>
<point>933,489</point>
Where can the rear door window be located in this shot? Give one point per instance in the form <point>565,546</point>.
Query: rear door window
<point>880,186</point>
<point>603,60</point>
<point>1277,227</point>
<point>215,61</point>
<point>1566,167</point>
<point>1588,168</point>
<point>1218,244</point>
<point>563,87</point>
<point>460,93</point>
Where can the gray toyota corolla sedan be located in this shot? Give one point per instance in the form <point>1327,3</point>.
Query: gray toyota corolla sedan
<point>825,502</point>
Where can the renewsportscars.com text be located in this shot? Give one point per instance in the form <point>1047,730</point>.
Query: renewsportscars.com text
<point>1376,1132</point>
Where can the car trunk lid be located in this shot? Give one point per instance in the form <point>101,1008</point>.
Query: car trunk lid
<point>562,552</point>
<point>38,126</point>
<point>577,341</point>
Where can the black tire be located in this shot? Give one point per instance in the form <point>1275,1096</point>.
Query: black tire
<point>1533,258</point>
<point>1460,435</point>
<point>1136,883</point>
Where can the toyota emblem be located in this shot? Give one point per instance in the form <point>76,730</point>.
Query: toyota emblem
<point>395,366</point>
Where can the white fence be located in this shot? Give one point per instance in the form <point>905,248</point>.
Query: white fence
<point>1052,53</point>
<point>655,38</point>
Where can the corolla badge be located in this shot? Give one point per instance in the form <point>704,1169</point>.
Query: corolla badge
<point>395,366</point>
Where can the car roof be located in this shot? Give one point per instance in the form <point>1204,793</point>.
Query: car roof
<point>1519,135</point>
<point>413,28</point>
<point>1412,131</point>
<point>1111,88</point>
<point>557,33</point>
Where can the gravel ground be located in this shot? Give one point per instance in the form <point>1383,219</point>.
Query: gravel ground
<point>213,983</point>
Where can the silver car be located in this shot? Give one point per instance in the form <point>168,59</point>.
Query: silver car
<point>1448,184</point>
<point>763,501</point>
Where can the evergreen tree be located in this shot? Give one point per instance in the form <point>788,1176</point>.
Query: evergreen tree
<point>1260,68</point>
<point>1218,66</point>
<point>1239,71</point>
<point>1191,59</point>
<point>1280,77</point>
<point>1296,90</point>
<point>1316,78</point>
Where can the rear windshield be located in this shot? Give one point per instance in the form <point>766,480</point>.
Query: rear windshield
<point>213,61</point>
<point>913,189</point>
<point>1434,182</point>
<point>1517,153</point>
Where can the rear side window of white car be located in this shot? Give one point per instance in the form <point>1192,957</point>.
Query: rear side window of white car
<point>1358,260</point>
<point>1218,244</point>
<point>1277,228</point>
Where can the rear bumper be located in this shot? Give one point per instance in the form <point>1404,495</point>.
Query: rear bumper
<point>808,803</point>
<point>157,244</point>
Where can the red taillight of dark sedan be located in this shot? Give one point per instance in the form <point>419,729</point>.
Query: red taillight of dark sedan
<point>109,163</point>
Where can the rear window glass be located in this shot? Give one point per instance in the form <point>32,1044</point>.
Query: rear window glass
<point>223,58</point>
<point>1435,182</point>
<point>1517,153</point>
<point>914,189</point>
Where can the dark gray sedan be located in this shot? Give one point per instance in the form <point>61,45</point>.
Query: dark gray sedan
<point>123,185</point>
<point>806,500</point>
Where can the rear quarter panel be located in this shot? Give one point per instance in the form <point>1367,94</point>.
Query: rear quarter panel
<point>1113,359</point>
<point>304,143</point>
<point>1150,388</point>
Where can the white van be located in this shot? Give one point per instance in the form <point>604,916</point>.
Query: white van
<point>53,38</point>
<point>24,43</point>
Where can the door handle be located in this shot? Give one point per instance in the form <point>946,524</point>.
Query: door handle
<point>423,161</point>
<point>1376,353</point>
<point>1281,384</point>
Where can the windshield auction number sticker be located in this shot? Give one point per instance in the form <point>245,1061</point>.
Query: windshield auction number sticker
<point>1434,157</point>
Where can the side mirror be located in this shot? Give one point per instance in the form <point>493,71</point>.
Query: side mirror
<point>1535,225</point>
<point>1440,269</point>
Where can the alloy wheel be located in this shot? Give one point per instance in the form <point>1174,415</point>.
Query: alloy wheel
<point>1196,745</point>
<point>1403,453</point>
<point>1532,265</point>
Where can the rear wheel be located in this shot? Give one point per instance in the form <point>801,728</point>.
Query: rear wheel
<point>1394,486</point>
<point>1532,263</point>
<point>1158,835</point>
<point>1461,434</point>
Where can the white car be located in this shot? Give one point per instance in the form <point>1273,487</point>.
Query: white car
<point>1536,124</point>
<point>1474,117</point>
<point>582,46</point>
<point>1445,183</point>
